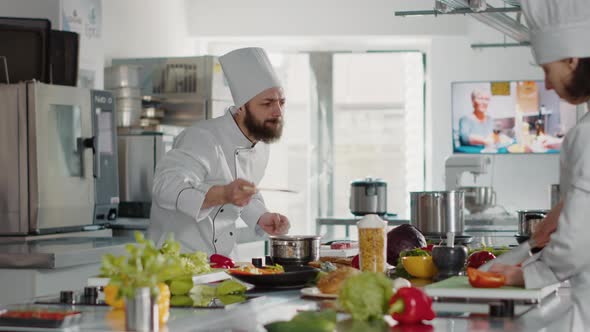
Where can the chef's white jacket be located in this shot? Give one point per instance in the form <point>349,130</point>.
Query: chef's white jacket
<point>211,152</point>
<point>567,255</point>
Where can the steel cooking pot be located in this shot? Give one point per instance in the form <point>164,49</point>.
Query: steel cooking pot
<point>294,249</point>
<point>528,221</point>
<point>437,212</point>
<point>368,196</point>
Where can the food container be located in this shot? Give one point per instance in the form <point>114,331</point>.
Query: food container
<point>294,249</point>
<point>438,212</point>
<point>478,199</point>
<point>368,196</point>
<point>372,243</point>
<point>528,221</point>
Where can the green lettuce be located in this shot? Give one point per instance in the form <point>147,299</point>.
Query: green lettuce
<point>366,295</point>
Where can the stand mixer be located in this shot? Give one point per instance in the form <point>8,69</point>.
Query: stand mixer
<point>477,198</point>
<point>456,165</point>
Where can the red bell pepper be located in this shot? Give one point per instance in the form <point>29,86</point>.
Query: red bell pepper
<point>221,262</point>
<point>481,279</point>
<point>410,305</point>
<point>479,258</point>
<point>412,328</point>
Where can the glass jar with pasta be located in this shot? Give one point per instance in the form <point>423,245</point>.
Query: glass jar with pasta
<point>372,242</point>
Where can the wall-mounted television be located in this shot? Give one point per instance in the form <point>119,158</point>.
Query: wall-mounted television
<point>509,117</point>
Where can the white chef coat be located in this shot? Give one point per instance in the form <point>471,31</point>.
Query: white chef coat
<point>566,256</point>
<point>211,152</point>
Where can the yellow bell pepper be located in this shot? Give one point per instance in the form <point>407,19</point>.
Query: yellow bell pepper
<point>110,297</point>
<point>110,292</point>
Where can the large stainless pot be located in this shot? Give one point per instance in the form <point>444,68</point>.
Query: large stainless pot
<point>528,221</point>
<point>294,249</point>
<point>368,196</point>
<point>437,212</point>
<point>478,199</point>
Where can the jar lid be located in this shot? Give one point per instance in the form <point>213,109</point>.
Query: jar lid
<point>371,221</point>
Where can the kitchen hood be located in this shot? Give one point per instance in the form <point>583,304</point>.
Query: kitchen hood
<point>494,16</point>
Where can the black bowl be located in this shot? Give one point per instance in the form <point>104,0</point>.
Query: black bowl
<point>294,277</point>
<point>448,260</point>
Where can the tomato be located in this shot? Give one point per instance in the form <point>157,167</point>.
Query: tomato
<point>428,247</point>
<point>481,279</point>
<point>220,260</point>
<point>479,258</point>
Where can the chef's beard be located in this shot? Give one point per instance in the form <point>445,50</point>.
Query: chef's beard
<point>260,131</point>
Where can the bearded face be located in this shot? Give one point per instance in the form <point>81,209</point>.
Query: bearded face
<point>268,130</point>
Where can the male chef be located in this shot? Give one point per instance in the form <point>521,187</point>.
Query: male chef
<point>209,178</point>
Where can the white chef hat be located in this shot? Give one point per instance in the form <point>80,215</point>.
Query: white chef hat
<point>559,29</point>
<point>248,72</point>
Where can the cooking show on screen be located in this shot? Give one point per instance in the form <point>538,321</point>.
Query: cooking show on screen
<point>509,117</point>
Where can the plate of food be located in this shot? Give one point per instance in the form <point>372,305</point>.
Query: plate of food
<point>329,285</point>
<point>275,276</point>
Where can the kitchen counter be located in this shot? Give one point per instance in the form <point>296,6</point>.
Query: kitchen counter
<point>283,305</point>
<point>60,252</point>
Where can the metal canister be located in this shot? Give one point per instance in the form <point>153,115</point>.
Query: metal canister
<point>141,312</point>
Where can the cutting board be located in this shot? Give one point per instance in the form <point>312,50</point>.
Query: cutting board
<point>459,287</point>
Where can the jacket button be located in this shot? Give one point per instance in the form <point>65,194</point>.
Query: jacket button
<point>215,240</point>
<point>221,210</point>
<point>231,233</point>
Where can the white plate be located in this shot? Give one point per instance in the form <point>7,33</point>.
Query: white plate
<point>315,292</point>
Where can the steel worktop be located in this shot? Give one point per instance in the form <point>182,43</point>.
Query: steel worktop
<point>550,315</point>
<point>59,252</point>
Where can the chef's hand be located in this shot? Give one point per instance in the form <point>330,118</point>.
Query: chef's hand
<point>239,192</point>
<point>543,231</point>
<point>513,274</point>
<point>274,223</point>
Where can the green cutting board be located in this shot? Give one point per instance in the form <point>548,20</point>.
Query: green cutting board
<point>459,287</point>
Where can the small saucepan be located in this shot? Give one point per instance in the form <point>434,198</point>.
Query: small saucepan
<point>294,249</point>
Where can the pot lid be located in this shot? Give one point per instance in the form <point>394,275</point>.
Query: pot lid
<point>368,181</point>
